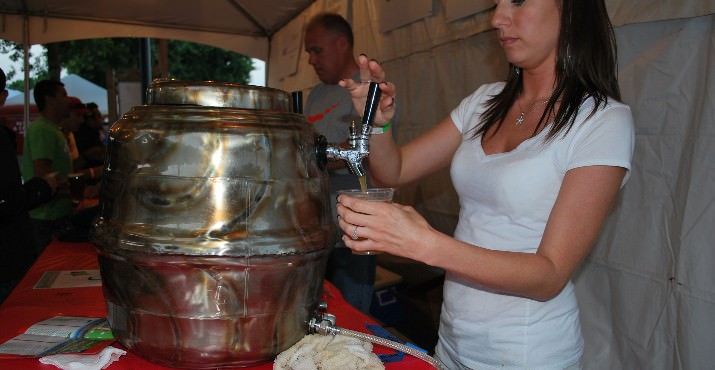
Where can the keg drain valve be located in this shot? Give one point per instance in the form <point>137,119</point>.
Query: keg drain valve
<point>324,323</point>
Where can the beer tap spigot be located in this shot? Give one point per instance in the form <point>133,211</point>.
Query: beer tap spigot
<point>359,139</point>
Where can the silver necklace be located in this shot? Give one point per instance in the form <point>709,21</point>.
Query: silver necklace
<point>522,115</point>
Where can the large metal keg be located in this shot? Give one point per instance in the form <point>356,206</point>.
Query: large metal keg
<point>214,225</point>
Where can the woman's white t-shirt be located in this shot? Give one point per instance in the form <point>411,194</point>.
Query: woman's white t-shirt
<point>505,201</point>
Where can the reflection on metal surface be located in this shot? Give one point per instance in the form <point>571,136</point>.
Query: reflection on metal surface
<point>214,225</point>
<point>212,94</point>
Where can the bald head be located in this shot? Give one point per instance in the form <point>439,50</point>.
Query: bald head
<point>329,44</point>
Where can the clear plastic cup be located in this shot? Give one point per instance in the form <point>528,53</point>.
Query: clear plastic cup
<point>373,195</point>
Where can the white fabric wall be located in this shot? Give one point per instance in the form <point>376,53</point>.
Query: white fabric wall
<point>647,292</point>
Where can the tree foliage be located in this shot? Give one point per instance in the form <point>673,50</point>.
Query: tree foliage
<point>38,65</point>
<point>92,59</point>
<point>190,61</point>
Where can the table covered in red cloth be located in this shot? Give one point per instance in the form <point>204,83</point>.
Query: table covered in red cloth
<point>27,306</point>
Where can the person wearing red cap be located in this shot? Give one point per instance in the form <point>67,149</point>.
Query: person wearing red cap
<point>74,127</point>
<point>83,181</point>
<point>71,124</point>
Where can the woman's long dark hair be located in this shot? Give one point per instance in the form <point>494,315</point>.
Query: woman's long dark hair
<point>585,67</point>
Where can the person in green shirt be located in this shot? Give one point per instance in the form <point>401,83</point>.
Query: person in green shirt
<point>46,151</point>
<point>17,197</point>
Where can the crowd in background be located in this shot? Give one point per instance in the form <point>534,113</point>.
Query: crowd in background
<point>45,187</point>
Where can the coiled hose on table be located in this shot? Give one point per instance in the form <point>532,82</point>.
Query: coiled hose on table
<point>325,325</point>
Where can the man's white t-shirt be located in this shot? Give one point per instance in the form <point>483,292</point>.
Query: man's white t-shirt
<point>505,201</point>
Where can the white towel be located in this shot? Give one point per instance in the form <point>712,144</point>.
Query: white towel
<point>97,361</point>
<point>318,352</point>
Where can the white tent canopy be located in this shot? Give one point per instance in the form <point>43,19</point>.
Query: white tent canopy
<point>243,26</point>
<point>78,87</point>
<point>647,292</point>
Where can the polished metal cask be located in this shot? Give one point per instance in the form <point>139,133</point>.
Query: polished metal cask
<point>214,225</point>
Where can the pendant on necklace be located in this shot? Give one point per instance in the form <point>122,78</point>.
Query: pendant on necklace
<point>520,119</point>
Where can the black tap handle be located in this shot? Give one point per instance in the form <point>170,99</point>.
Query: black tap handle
<point>297,101</point>
<point>373,99</point>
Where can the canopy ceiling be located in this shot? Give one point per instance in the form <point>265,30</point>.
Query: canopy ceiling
<point>243,26</point>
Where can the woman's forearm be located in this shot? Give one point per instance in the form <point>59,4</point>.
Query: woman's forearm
<point>385,159</point>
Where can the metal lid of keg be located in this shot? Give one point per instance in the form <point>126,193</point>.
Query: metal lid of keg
<point>217,94</point>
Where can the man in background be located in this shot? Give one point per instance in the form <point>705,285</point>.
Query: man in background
<point>46,151</point>
<point>329,44</point>
<point>17,246</point>
<point>70,125</point>
<point>85,176</point>
<point>89,140</point>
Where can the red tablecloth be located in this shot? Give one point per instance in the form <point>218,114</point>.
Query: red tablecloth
<point>26,306</point>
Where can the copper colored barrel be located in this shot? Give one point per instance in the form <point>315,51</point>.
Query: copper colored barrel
<point>214,225</point>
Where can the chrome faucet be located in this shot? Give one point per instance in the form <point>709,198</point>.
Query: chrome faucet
<point>358,141</point>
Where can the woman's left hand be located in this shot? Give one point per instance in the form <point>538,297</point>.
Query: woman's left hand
<point>384,227</point>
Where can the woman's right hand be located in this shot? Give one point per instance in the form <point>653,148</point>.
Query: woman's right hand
<point>371,71</point>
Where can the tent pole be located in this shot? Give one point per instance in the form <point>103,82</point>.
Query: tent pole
<point>145,66</point>
<point>162,53</point>
<point>26,64</point>
<point>268,65</point>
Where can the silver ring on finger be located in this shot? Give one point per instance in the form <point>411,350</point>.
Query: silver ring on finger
<point>354,235</point>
